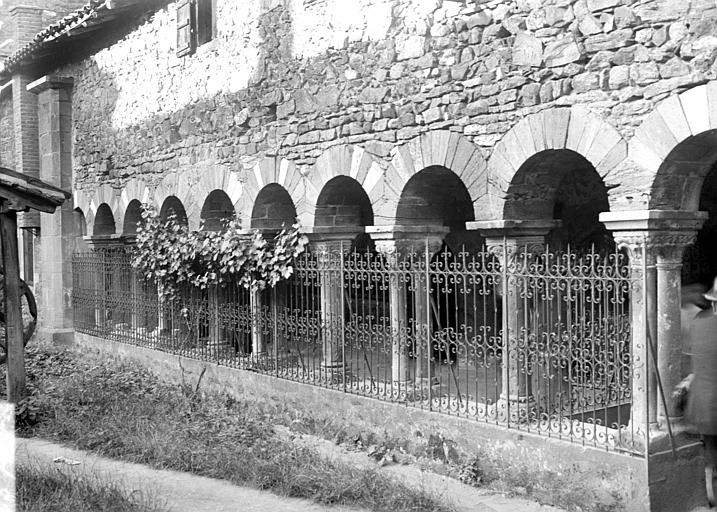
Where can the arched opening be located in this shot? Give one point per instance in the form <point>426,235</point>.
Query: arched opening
<point>132,217</point>
<point>343,203</point>
<point>273,209</point>
<point>687,180</point>
<point>562,185</point>
<point>435,196</point>
<point>217,211</point>
<point>79,229</point>
<point>104,221</point>
<point>173,206</point>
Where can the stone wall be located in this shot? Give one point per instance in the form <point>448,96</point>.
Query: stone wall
<point>7,137</point>
<point>285,80</point>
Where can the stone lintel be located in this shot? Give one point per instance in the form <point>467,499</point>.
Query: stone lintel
<point>104,240</point>
<point>407,237</point>
<point>653,220</point>
<point>50,82</point>
<point>332,234</point>
<point>513,229</point>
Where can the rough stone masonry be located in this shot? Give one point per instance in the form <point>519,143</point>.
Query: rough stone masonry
<point>288,80</point>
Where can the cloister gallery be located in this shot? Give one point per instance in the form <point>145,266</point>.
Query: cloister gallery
<point>503,201</point>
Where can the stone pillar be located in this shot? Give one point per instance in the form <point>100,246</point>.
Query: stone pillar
<point>102,287</point>
<point>258,324</point>
<point>55,144</point>
<point>27,22</point>
<point>510,239</point>
<point>330,247</point>
<point>406,249</point>
<point>655,240</point>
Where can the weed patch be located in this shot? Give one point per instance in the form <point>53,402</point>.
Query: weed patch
<point>122,411</point>
<point>39,489</point>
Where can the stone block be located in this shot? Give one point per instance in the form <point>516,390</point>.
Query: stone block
<point>410,47</point>
<point>480,19</point>
<point>527,50</point>
<point>561,52</point>
<point>611,41</point>
<point>619,77</point>
<point>674,67</point>
<point>477,107</point>
<point>601,5</point>
<point>589,25</point>
<point>530,95</point>
<point>373,95</point>
<point>508,96</point>
<point>585,82</point>
<point>644,73</point>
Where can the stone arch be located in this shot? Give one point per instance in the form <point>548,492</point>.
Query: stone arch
<point>81,200</point>
<point>349,161</point>
<point>179,186</point>
<point>172,205</point>
<point>104,223</point>
<point>132,217</point>
<point>134,190</point>
<point>438,148</point>
<point>343,203</point>
<point>575,129</point>
<point>105,194</point>
<point>273,209</point>
<point>216,211</point>
<point>280,172</point>
<point>79,229</point>
<point>435,196</point>
<point>220,179</point>
<point>676,147</point>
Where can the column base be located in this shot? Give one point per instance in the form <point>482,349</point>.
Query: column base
<point>516,408</point>
<point>57,336</point>
<point>334,373</point>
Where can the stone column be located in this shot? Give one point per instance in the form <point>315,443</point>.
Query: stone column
<point>331,247</point>
<point>102,287</point>
<point>54,110</point>
<point>508,240</point>
<point>258,324</point>
<point>405,249</point>
<point>655,240</point>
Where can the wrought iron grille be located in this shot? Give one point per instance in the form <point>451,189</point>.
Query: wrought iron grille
<point>533,341</point>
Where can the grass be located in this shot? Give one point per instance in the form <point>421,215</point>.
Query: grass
<point>125,412</point>
<point>40,490</point>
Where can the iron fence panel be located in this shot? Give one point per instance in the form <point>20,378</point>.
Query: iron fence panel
<point>531,340</point>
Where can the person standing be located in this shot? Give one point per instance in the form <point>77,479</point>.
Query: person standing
<point>702,400</point>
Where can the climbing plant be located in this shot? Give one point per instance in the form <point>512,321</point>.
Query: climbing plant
<point>170,253</point>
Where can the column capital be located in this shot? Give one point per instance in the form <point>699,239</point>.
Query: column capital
<point>514,234</point>
<point>330,239</point>
<point>390,239</point>
<point>663,233</point>
<point>48,82</point>
<point>105,241</point>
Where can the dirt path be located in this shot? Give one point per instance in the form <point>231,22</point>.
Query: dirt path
<point>181,491</point>
<point>187,492</point>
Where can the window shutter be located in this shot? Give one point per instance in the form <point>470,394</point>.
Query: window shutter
<point>185,34</point>
<point>204,21</point>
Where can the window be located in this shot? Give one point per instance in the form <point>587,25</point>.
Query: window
<point>194,25</point>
